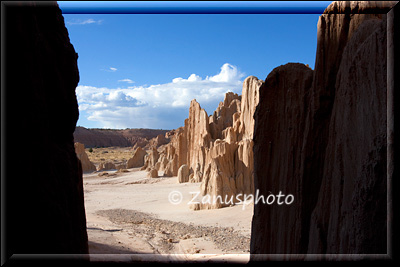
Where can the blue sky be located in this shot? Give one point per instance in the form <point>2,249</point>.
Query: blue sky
<point>142,70</point>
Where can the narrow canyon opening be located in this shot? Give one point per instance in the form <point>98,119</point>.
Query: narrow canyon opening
<point>320,141</point>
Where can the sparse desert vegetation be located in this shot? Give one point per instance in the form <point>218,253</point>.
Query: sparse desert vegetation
<point>116,155</point>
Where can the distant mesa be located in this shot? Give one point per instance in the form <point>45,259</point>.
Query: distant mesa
<point>122,138</point>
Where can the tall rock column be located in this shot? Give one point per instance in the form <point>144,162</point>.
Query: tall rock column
<point>44,196</point>
<point>198,138</point>
<point>278,140</point>
<point>354,175</point>
<point>245,159</point>
<point>228,172</point>
<point>334,141</point>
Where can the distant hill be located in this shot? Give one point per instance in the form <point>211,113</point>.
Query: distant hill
<point>109,137</point>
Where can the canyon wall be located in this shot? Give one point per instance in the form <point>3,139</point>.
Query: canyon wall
<point>44,205</point>
<point>321,136</point>
<point>123,138</point>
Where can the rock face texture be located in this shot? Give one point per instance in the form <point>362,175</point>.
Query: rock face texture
<point>138,159</point>
<point>122,138</point>
<point>215,150</point>
<point>183,174</point>
<point>150,160</point>
<point>278,141</point>
<point>105,166</point>
<point>153,173</point>
<point>158,141</point>
<point>87,165</point>
<point>321,136</point>
<point>44,207</point>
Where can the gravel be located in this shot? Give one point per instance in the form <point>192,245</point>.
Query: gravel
<point>162,234</point>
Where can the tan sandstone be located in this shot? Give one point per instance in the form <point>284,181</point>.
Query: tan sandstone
<point>216,149</point>
<point>153,173</point>
<point>183,174</point>
<point>104,166</point>
<point>87,165</point>
<point>138,159</point>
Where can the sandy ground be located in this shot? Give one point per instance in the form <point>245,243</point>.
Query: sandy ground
<point>130,218</point>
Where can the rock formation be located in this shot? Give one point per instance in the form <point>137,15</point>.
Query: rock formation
<point>138,158</point>
<point>140,142</point>
<point>278,140</point>
<point>120,166</point>
<point>151,159</point>
<point>215,150</point>
<point>321,136</point>
<point>105,166</point>
<point>153,173</point>
<point>158,141</point>
<point>354,178</point>
<point>155,142</point>
<point>183,174</point>
<point>87,165</point>
<point>44,205</point>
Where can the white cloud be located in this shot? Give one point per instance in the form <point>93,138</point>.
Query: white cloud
<point>113,69</point>
<point>126,80</point>
<point>83,22</point>
<point>156,106</point>
<point>228,72</point>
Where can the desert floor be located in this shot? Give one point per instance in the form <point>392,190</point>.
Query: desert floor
<point>130,218</point>
<point>116,155</point>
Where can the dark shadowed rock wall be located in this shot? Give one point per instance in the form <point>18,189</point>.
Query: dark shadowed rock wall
<point>279,134</point>
<point>321,136</point>
<point>43,190</point>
